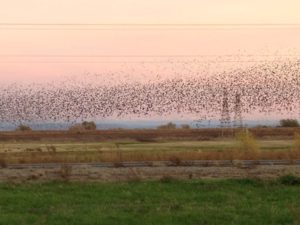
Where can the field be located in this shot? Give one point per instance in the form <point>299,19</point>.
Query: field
<point>176,147</point>
<point>115,151</point>
<point>154,194</point>
<point>143,145</point>
<point>146,135</point>
<point>162,202</point>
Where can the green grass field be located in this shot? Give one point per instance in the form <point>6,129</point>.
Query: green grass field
<point>164,202</point>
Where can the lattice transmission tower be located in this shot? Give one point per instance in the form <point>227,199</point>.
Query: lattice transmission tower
<point>225,114</point>
<point>238,119</point>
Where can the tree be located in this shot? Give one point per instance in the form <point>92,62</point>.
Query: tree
<point>23,127</point>
<point>89,125</point>
<point>84,126</point>
<point>289,123</point>
<point>169,125</point>
<point>185,126</point>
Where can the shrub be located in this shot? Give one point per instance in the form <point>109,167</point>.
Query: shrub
<point>297,142</point>
<point>168,126</point>
<point>146,139</point>
<point>23,127</point>
<point>167,179</point>
<point>118,164</point>
<point>51,148</point>
<point>289,180</point>
<point>175,160</point>
<point>185,126</point>
<point>3,163</point>
<point>247,141</point>
<point>38,149</point>
<point>84,126</point>
<point>65,172</point>
<point>289,123</point>
<point>78,128</point>
<point>89,125</point>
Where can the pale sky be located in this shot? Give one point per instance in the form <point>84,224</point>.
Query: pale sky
<point>137,42</point>
<point>154,11</point>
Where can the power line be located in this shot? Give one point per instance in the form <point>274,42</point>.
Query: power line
<point>143,56</point>
<point>145,26</point>
<point>149,29</point>
<point>150,24</point>
<point>139,62</point>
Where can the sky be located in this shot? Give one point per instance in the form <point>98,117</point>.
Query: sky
<point>21,48</point>
<point>155,11</point>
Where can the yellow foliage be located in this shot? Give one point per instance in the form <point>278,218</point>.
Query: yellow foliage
<point>297,142</point>
<point>247,142</point>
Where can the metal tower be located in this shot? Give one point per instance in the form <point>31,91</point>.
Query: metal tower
<point>225,114</point>
<point>238,119</point>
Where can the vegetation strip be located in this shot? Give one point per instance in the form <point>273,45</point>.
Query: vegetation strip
<point>164,202</point>
<point>200,163</point>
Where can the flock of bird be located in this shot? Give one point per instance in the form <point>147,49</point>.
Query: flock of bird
<point>264,87</point>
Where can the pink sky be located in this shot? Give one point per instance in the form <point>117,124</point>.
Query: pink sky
<point>137,42</point>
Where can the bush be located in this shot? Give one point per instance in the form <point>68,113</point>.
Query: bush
<point>167,126</point>
<point>89,125</point>
<point>289,123</point>
<point>167,179</point>
<point>84,126</point>
<point>65,172</point>
<point>23,128</point>
<point>289,180</point>
<point>3,163</point>
<point>297,141</point>
<point>146,139</point>
<point>175,160</point>
<point>185,126</point>
<point>51,148</point>
<point>247,141</point>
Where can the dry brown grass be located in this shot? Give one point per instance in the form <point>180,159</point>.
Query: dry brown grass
<point>247,148</point>
<point>297,142</point>
<point>65,172</point>
<point>165,134</point>
<point>118,157</point>
<point>3,163</point>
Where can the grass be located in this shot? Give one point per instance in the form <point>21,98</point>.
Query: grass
<point>167,202</point>
<point>245,146</point>
<point>215,145</point>
<point>115,151</point>
<point>297,142</point>
<point>247,142</point>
